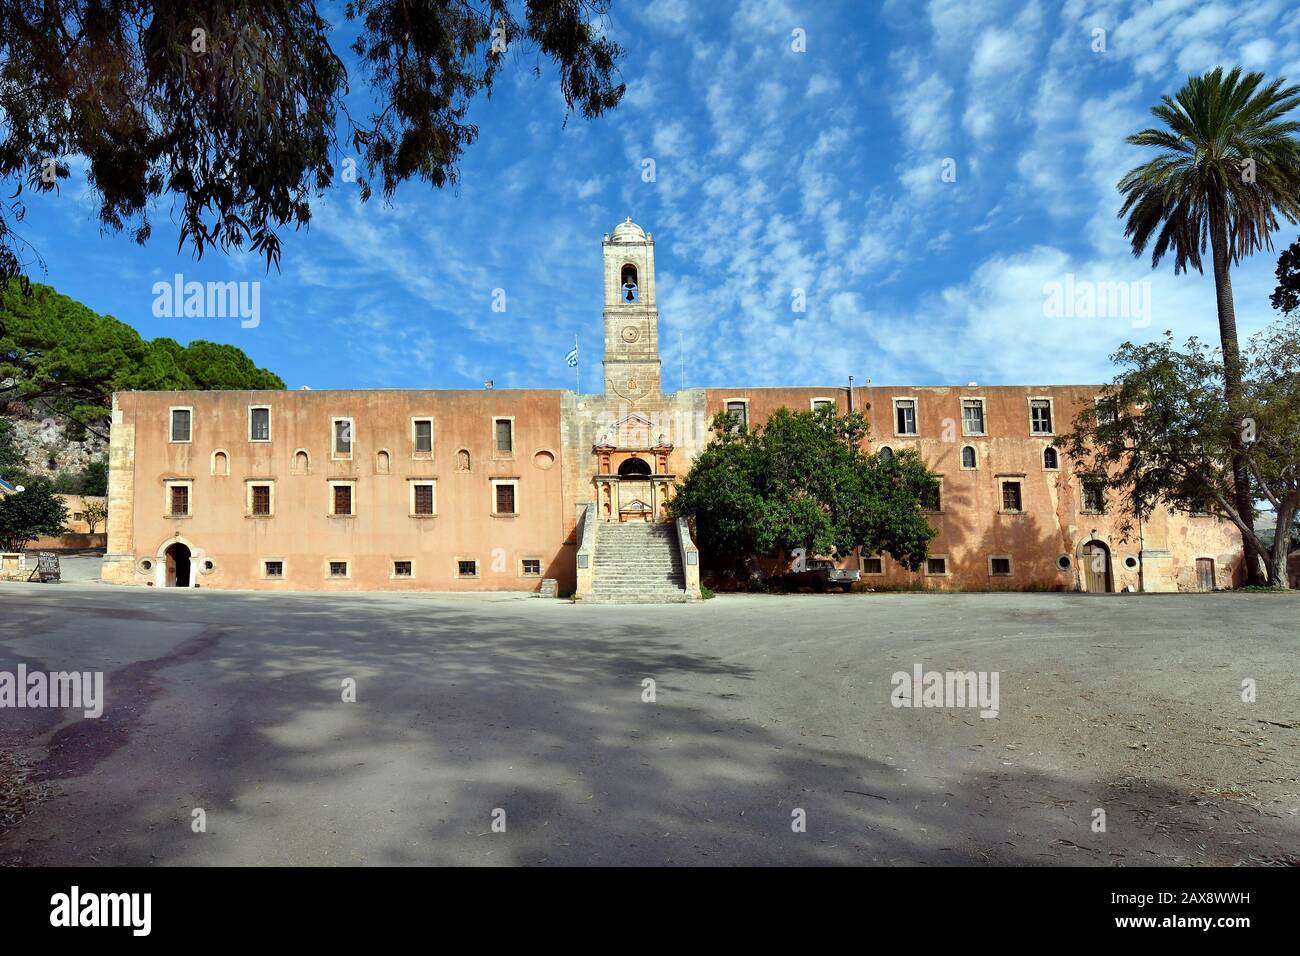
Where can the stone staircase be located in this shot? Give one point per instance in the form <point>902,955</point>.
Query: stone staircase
<point>637,563</point>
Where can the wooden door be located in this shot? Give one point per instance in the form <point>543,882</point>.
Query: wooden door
<point>1205,574</point>
<point>1096,568</point>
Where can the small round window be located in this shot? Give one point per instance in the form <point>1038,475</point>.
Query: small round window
<point>1063,563</point>
<point>1130,562</point>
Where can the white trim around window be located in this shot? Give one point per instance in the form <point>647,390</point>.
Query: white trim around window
<point>350,483</point>
<point>171,425</point>
<point>249,485</point>
<point>415,451</point>
<point>265,576</point>
<point>251,409</point>
<point>1011,566</point>
<point>818,400</point>
<point>946,572</point>
<point>392,569</point>
<point>916,415</point>
<point>188,485</point>
<point>411,485</point>
<point>1051,414</point>
<point>524,573</point>
<point>495,483</point>
<point>335,454</point>
<point>328,568</point>
<point>984,414</point>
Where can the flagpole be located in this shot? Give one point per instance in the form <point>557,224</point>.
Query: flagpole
<point>577,366</point>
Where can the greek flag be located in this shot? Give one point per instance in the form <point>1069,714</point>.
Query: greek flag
<point>571,359</point>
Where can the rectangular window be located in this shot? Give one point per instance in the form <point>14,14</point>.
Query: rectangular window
<point>904,417</point>
<point>1040,416</point>
<point>932,500</point>
<point>401,569</point>
<point>181,424</point>
<point>505,437</point>
<point>738,413</point>
<point>1000,567</point>
<point>273,569</point>
<point>819,403</point>
<point>260,502</point>
<point>505,499</point>
<point>259,424</point>
<point>338,569</point>
<point>423,503</point>
<point>179,500</point>
<point>467,569</point>
<point>873,566</point>
<point>1107,413</point>
<point>423,436</point>
<point>343,437</point>
<point>1094,495</point>
<point>343,499</point>
<point>532,567</point>
<point>936,565</point>
<point>972,416</point>
<point>1011,496</point>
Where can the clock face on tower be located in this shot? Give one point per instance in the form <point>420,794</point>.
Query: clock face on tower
<point>630,334</point>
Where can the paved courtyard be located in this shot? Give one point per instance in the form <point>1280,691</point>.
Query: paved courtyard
<point>232,702</point>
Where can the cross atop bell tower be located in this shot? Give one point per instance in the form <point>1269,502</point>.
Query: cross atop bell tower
<point>631,318</point>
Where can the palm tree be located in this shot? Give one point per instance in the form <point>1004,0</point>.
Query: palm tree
<point>1228,164</point>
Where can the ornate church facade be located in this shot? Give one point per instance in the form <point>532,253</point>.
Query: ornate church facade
<point>502,489</point>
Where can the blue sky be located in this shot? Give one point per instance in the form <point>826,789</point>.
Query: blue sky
<point>775,170</point>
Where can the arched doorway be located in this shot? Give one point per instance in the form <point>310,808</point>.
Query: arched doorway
<point>178,569</point>
<point>634,468</point>
<point>1097,577</point>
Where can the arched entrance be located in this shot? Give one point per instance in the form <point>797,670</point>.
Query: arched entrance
<point>1097,577</point>
<point>634,468</point>
<point>178,570</point>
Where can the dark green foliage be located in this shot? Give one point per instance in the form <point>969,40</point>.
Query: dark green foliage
<point>234,109</point>
<point>70,360</point>
<point>30,514</point>
<point>802,481</point>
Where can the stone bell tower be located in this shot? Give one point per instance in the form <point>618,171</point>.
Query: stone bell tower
<point>631,318</point>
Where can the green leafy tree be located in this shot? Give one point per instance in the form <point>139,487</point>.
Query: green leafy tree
<point>1172,438</point>
<point>13,465</point>
<point>31,513</point>
<point>237,109</point>
<point>95,511</point>
<point>56,352</point>
<point>1229,164</point>
<point>1286,295</point>
<point>802,480</point>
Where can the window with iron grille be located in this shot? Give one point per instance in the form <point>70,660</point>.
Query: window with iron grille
<point>261,503</point>
<point>1000,566</point>
<point>343,499</point>
<point>180,424</point>
<point>338,569</point>
<point>401,569</point>
<point>936,565</point>
<point>180,500</point>
<point>505,436</point>
<point>968,457</point>
<point>505,498</point>
<point>821,403</point>
<point>972,416</point>
<point>423,436</point>
<point>905,417</point>
<point>1011,496</point>
<point>259,424</point>
<point>1040,416</point>
<point>424,499</point>
<point>738,413</point>
<point>532,566</point>
<point>1107,411</point>
<point>467,569</point>
<point>873,566</point>
<point>1094,495</point>
<point>274,569</point>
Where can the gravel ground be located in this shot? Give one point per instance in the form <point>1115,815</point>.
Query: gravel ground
<point>230,702</point>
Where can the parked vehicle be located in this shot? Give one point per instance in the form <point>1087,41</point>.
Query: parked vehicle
<point>819,574</point>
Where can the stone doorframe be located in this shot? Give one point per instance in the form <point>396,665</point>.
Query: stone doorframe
<point>197,557</point>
